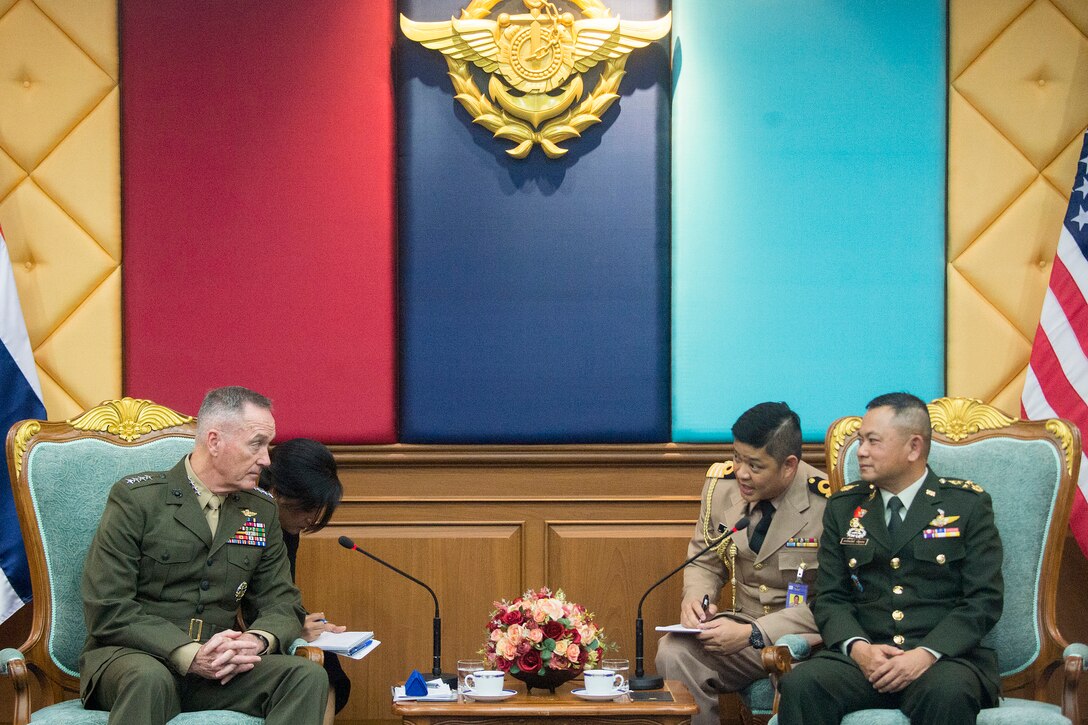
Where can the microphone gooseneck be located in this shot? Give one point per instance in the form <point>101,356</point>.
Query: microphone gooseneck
<point>436,668</point>
<point>655,682</point>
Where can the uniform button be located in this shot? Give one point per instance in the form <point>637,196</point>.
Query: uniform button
<point>762,587</point>
<point>199,608</point>
<point>757,567</point>
<point>205,584</point>
<point>897,589</point>
<point>211,561</point>
<point>852,563</point>
<point>897,615</point>
<point>941,559</point>
<point>899,639</point>
<point>895,563</point>
<point>766,610</point>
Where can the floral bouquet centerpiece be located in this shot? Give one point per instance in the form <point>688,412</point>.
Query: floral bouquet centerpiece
<point>542,639</point>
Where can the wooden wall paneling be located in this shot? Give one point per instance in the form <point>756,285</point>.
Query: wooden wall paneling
<point>465,564</point>
<point>608,566</point>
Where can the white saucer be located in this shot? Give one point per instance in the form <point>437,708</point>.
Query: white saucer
<point>593,696</point>
<point>490,698</point>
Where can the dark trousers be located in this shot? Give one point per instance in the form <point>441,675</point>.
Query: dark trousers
<point>284,690</point>
<point>827,687</point>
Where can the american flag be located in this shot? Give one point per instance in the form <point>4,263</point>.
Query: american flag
<point>1057,379</point>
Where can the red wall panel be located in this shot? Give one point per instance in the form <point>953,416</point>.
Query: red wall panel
<point>259,221</point>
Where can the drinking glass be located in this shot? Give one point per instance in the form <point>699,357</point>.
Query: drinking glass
<point>620,667</point>
<point>463,668</point>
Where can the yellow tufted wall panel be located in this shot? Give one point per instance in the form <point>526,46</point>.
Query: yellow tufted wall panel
<point>60,191</point>
<point>1018,107</point>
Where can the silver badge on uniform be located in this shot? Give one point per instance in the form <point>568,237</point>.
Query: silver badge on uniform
<point>241,591</point>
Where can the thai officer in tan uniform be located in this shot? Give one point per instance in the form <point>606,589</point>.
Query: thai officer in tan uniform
<point>175,554</point>
<point>774,557</point>
<point>910,584</point>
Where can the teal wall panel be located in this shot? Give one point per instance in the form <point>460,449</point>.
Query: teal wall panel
<point>808,207</point>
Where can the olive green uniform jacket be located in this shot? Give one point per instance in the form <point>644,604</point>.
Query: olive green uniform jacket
<point>153,566</point>
<point>943,592</point>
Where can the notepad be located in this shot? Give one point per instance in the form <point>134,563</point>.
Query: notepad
<point>348,644</point>
<point>678,629</point>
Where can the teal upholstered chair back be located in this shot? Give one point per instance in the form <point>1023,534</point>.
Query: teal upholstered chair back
<point>1029,469</point>
<point>61,474</point>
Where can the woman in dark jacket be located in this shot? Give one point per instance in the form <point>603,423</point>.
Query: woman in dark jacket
<point>302,477</point>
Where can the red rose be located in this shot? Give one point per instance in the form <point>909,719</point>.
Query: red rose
<point>530,661</point>
<point>576,636</point>
<point>512,617</point>
<point>552,630</point>
<point>503,664</point>
<point>524,647</point>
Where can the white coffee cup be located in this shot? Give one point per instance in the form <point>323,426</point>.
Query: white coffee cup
<point>602,682</point>
<point>484,682</point>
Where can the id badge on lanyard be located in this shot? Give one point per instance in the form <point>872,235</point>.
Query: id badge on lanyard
<point>797,591</point>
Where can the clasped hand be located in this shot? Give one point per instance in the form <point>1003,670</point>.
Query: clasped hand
<point>315,624</point>
<point>225,655</point>
<point>888,668</point>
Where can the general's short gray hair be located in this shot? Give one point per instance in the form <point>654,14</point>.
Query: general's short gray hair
<point>227,404</point>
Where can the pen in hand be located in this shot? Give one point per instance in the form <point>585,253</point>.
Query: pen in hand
<point>706,605</point>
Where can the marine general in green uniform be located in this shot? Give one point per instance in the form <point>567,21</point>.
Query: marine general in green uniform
<point>175,554</point>
<point>910,583</point>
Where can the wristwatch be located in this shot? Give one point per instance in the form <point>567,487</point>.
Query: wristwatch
<point>266,642</point>
<point>755,641</point>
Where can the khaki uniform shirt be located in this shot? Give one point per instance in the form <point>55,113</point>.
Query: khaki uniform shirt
<point>761,579</point>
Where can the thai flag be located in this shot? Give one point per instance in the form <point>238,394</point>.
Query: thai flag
<point>20,398</point>
<point>1057,380</point>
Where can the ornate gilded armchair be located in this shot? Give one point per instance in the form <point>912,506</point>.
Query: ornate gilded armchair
<point>61,473</point>
<point>1030,470</point>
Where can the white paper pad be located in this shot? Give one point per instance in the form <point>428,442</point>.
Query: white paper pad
<point>365,650</point>
<point>342,643</point>
<point>437,691</point>
<point>678,629</point>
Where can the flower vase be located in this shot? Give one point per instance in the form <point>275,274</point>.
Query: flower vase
<point>545,679</point>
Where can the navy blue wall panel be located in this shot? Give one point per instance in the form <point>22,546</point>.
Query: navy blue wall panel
<point>534,294</point>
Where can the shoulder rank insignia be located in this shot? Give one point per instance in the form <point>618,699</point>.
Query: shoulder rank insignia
<point>961,483</point>
<point>819,486</point>
<point>848,487</point>
<point>720,470</point>
<point>145,477</point>
<point>264,493</point>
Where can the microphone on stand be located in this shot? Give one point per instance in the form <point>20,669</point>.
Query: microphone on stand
<point>436,669</point>
<point>642,681</point>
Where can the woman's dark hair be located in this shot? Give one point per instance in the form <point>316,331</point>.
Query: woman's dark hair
<point>304,471</point>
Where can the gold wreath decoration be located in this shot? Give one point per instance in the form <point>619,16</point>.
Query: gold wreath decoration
<point>21,440</point>
<point>128,418</point>
<point>569,125</point>
<point>958,418</point>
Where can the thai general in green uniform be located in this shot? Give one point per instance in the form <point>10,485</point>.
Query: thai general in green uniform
<point>175,554</point>
<point>910,582</point>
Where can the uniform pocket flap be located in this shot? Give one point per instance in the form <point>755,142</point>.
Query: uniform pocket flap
<point>171,552</point>
<point>791,560</point>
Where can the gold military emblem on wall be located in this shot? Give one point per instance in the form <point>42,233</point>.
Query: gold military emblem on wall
<point>535,62</point>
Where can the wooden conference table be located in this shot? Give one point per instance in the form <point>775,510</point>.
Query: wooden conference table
<point>542,706</point>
